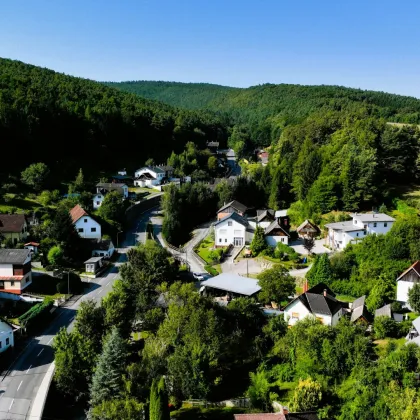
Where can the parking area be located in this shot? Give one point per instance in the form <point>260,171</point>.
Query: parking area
<point>318,249</point>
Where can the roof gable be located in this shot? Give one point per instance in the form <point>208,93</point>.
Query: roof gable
<point>77,212</point>
<point>308,226</point>
<point>415,267</point>
<point>274,226</point>
<point>12,223</point>
<point>236,205</point>
<point>267,214</point>
<point>234,216</point>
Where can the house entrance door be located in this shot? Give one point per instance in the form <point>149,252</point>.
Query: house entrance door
<point>237,241</point>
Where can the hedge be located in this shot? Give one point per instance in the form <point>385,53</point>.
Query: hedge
<point>211,270</point>
<point>39,312</point>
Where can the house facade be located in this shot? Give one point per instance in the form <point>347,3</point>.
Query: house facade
<point>85,226</point>
<point>13,227</point>
<point>232,207</point>
<point>102,248</point>
<point>104,188</point>
<point>341,234</point>
<point>319,302</point>
<point>274,234</point>
<point>406,281</point>
<point>232,229</point>
<point>149,176</point>
<point>15,270</point>
<point>97,200</point>
<point>307,230</point>
<point>6,336</point>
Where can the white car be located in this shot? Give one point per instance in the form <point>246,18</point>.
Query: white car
<point>198,276</point>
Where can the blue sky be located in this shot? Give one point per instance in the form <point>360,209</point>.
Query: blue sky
<point>367,44</point>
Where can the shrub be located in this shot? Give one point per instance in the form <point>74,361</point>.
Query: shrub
<point>39,313</point>
<point>385,327</point>
<point>76,285</point>
<point>211,270</point>
<point>44,284</point>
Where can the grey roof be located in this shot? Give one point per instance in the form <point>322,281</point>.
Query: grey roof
<point>274,225</point>
<point>384,311</point>
<point>416,324</point>
<point>145,175</point>
<point>358,302</point>
<point>262,214</point>
<point>233,283</point>
<point>347,226</point>
<point>14,256</point>
<point>359,312</point>
<point>100,244</point>
<point>241,208</point>
<point>235,216</point>
<point>281,213</point>
<point>93,260</point>
<point>373,217</point>
<point>155,169</point>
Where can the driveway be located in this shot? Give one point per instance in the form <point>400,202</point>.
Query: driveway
<point>255,266</point>
<point>318,249</point>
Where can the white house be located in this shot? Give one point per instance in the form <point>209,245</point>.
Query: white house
<point>6,336</point>
<point>102,248</point>
<point>104,188</point>
<point>406,281</point>
<point>340,234</point>
<point>85,226</point>
<point>318,302</point>
<point>15,270</point>
<point>232,229</point>
<point>148,176</point>
<point>274,233</point>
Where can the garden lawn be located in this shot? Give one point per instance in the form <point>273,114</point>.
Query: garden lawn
<point>17,204</point>
<point>205,248</point>
<point>345,298</point>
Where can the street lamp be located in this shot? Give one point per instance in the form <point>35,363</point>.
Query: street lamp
<point>117,237</point>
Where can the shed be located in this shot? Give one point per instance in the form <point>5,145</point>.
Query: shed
<point>231,283</point>
<point>307,229</point>
<point>93,265</point>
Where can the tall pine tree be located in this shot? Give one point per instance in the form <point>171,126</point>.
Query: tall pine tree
<point>159,409</point>
<point>320,271</point>
<point>107,381</point>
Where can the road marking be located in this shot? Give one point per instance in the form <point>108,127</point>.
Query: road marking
<point>100,291</point>
<point>11,404</point>
<point>39,352</point>
<point>107,283</point>
<point>51,339</point>
<point>19,385</point>
<point>28,370</point>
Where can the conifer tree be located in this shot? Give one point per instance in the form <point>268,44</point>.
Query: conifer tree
<point>159,409</point>
<point>258,243</point>
<point>107,380</point>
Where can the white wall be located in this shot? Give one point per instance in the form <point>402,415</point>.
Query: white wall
<point>224,234</point>
<point>6,269</point>
<point>296,307</point>
<point>402,290</point>
<point>102,253</point>
<point>87,224</point>
<point>6,332</point>
<point>274,240</point>
<point>97,200</point>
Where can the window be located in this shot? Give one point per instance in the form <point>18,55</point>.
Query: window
<point>225,240</point>
<point>295,315</point>
<point>93,229</point>
<point>385,224</point>
<point>12,283</point>
<point>98,203</point>
<point>282,239</point>
<point>229,223</point>
<point>7,341</point>
<point>85,220</point>
<point>321,320</point>
<point>374,225</point>
<point>220,239</point>
<point>364,232</point>
<point>0,344</point>
<point>1,284</point>
<point>357,234</point>
<point>365,227</point>
<point>80,230</point>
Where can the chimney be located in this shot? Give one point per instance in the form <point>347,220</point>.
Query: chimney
<point>325,292</point>
<point>305,286</point>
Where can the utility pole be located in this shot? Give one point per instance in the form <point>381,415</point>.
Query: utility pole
<point>247,272</point>
<point>68,282</point>
<point>117,237</point>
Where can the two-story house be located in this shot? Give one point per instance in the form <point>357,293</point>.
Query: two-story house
<point>233,229</point>
<point>85,226</point>
<point>149,176</point>
<point>232,207</point>
<point>318,302</point>
<point>14,227</point>
<point>340,234</point>
<point>15,270</point>
<point>104,188</point>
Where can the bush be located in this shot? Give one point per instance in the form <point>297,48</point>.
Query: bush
<point>76,284</point>
<point>385,327</point>
<point>285,252</point>
<point>39,313</point>
<point>211,270</point>
<point>44,284</point>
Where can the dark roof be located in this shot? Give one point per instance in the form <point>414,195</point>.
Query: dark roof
<point>361,312</point>
<point>319,289</point>
<point>274,225</point>
<point>111,186</point>
<point>309,415</point>
<point>384,311</point>
<point>306,222</point>
<point>121,177</point>
<point>415,267</point>
<point>145,175</point>
<point>77,212</point>
<point>358,302</point>
<point>262,214</point>
<point>100,244</point>
<point>241,208</point>
<point>14,256</point>
<point>11,223</point>
<point>235,216</point>
<point>93,260</point>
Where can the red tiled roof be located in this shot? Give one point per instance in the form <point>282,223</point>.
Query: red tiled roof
<point>76,213</point>
<point>11,223</point>
<point>32,244</point>
<point>415,266</point>
<point>18,278</point>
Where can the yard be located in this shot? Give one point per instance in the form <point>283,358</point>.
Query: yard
<point>17,204</point>
<point>206,250</point>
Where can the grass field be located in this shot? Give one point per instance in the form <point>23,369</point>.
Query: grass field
<point>17,204</point>
<point>345,298</point>
<point>205,248</point>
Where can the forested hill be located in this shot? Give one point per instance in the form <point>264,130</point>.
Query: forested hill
<point>266,109</point>
<point>68,123</point>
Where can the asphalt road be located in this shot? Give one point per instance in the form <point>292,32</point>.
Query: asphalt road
<point>19,386</point>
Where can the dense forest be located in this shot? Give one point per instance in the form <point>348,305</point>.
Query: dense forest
<point>68,123</point>
<point>332,148</point>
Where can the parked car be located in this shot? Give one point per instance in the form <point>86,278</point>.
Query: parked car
<point>247,252</point>
<point>198,276</point>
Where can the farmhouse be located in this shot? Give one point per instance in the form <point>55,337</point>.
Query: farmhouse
<point>15,270</point>
<point>104,188</point>
<point>307,229</point>
<point>232,229</point>
<point>148,176</point>
<point>232,207</point>
<point>318,302</point>
<point>406,281</point>
<point>340,234</point>
<point>274,233</point>
<point>13,227</point>
<point>85,226</point>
